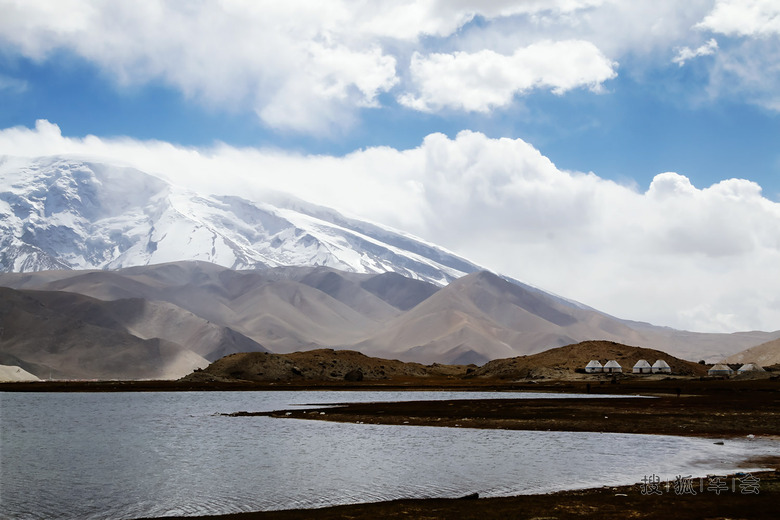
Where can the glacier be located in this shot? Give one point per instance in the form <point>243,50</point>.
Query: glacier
<point>68,213</point>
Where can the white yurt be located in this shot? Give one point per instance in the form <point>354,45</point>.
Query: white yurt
<point>661,367</point>
<point>642,367</point>
<point>593,367</point>
<point>720,370</point>
<point>612,367</point>
<point>750,367</point>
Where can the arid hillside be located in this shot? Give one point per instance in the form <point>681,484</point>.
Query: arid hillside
<point>347,365</point>
<point>318,365</point>
<point>564,362</point>
<point>766,354</point>
<point>198,312</point>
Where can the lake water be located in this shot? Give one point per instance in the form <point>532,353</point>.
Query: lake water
<point>131,455</point>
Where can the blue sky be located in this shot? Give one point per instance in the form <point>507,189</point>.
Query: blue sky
<point>637,128</point>
<point>530,126</point>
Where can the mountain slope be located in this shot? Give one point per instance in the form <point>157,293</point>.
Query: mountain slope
<point>63,213</point>
<point>219,274</point>
<point>482,316</point>
<point>766,354</point>
<point>70,336</point>
<point>564,361</point>
<point>282,309</point>
<point>214,310</point>
<point>316,365</point>
<point>15,373</point>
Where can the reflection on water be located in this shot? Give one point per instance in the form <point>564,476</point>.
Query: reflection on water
<point>129,455</point>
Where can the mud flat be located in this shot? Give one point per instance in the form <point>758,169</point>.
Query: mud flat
<point>611,503</point>
<point>709,408</point>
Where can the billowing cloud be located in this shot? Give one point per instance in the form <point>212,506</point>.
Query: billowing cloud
<point>484,80</point>
<point>312,67</point>
<point>303,66</point>
<point>702,258</point>
<point>744,18</point>
<point>296,63</point>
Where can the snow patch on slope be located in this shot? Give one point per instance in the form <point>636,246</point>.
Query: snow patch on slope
<point>63,213</point>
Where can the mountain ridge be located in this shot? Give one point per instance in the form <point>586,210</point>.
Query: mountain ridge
<point>279,274</point>
<point>211,310</point>
<point>60,212</point>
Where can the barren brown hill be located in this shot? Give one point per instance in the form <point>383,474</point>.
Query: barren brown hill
<point>214,311</point>
<point>284,309</point>
<point>563,362</point>
<point>317,365</point>
<point>767,354</point>
<point>482,316</point>
<point>338,365</point>
<point>70,336</point>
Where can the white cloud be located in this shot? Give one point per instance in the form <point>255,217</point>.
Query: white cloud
<point>744,18</point>
<point>486,80</point>
<point>411,19</point>
<point>748,64</point>
<point>642,28</point>
<point>675,254</point>
<point>312,66</point>
<point>304,66</point>
<point>686,53</point>
<point>297,63</point>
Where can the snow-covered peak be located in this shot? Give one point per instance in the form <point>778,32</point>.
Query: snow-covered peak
<point>64,213</point>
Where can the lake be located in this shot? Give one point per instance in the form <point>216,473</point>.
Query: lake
<point>131,455</point>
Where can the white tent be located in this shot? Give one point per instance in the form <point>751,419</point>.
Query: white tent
<point>750,367</point>
<point>612,367</point>
<point>642,367</point>
<point>662,367</point>
<point>720,370</point>
<point>593,367</point>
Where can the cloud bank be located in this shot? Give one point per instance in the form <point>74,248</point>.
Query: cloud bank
<point>700,258</point>
<point>312,67</point>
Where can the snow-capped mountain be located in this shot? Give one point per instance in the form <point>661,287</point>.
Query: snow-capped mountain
<point>64,213</point>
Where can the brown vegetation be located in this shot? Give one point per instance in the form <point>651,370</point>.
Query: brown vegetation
<point>564,363</point>
<point>318,365</point>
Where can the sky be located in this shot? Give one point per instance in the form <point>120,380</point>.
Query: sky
<point>621,153</point>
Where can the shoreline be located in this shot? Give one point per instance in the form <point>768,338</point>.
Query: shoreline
<point>627,384</point>
<point>607,502</point>
<point>684,407</point>
<point>687,407</point>
<point>615,415</point>
<point>702,409</point>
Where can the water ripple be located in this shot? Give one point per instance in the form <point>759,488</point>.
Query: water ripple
<point>118,456</point>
